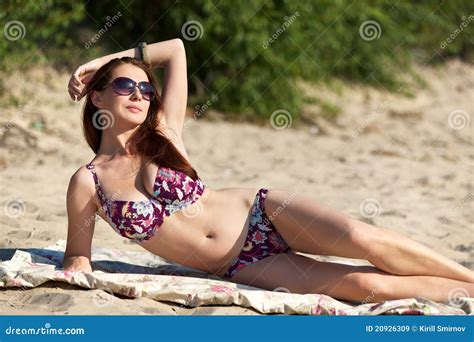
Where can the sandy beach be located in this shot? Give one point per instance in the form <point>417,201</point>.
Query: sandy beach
<point>399,162</point>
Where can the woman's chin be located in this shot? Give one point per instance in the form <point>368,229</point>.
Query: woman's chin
<point>134,118</point>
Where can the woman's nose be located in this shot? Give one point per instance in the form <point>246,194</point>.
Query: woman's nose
<point>136,93</point>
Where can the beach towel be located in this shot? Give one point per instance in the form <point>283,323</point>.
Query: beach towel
<point>142,274</point>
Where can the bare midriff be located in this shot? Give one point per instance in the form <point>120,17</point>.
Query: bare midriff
<point>212,237</point>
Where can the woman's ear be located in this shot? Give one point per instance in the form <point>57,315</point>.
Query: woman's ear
<point>95,98</point>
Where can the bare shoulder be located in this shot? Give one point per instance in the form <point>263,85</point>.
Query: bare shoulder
<point>81,184</point>
<point>83,177</point>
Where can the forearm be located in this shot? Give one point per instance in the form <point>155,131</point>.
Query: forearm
<point>134,53</point>
<point>160,52</point>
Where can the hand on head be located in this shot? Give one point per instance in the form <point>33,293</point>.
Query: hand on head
<point>81,76</point>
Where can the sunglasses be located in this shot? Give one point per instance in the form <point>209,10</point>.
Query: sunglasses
<point>126,86</point>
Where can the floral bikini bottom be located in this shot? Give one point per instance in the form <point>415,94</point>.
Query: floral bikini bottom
<point>263,240</point>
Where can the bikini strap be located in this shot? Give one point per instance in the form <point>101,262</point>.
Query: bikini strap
<point>98,187</point>
<point>91,168</point>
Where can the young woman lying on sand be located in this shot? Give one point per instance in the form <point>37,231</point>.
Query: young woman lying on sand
<point>142,183</point>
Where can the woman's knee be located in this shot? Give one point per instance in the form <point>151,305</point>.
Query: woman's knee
<point>372,285</point>
<point>369,239</point>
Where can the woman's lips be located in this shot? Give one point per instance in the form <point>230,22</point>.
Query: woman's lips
<point>134,109</point>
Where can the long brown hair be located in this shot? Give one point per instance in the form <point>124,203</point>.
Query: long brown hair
<point>147,140</point>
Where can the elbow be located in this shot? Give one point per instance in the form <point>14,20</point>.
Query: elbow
<point>179,44</point>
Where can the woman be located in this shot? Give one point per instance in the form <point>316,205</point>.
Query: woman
<point>142,183</point>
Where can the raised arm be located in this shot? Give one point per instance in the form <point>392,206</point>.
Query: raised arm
<point>168,54</point>
<point>175,86</point>
<point>81,211</point>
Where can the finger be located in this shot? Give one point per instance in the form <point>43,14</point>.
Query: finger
<point>82,71</point>
<point>71,95</point>
<point>78,75</point>
<point>81,95</point>
<point>72,83</point>
<point>71,80</point>
<point>77,80</point>
<point>87,78</point>
<point>75,90</point>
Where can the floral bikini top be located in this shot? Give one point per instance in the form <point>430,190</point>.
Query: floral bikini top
<point>173,190</point>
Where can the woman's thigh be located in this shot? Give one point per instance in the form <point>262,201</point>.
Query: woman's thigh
<point>314,228</point>
<point>297,273</point>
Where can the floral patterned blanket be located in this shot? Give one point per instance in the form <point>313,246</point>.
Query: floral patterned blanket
<point>142,274</point>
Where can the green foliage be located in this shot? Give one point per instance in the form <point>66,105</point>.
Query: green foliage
<point>34,30</point>
<point>244,56</point>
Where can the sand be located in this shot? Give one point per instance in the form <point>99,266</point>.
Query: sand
<point>399,162</point>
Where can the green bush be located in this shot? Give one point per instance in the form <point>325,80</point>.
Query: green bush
<point>35,30</point>
<point>244,57</point>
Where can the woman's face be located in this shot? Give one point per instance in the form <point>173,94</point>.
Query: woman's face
<point>126,109</point>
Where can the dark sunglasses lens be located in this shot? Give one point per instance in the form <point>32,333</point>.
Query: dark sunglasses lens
<point>147,90</point>
<point>123,85</point>
<point>148,96</point>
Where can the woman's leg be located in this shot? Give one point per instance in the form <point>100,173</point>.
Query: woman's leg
<point>296,273</point>
<point>310,227</point>
<point>398,254</point>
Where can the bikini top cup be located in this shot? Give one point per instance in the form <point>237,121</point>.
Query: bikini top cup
<point>173,190</point>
